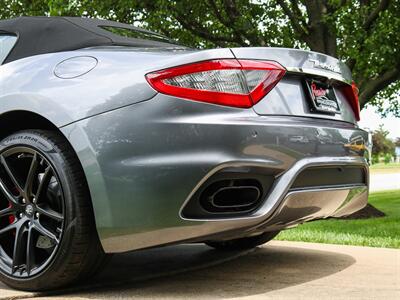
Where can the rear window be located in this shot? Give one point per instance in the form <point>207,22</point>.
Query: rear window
<point>137,34</point>
<point>7,42</point>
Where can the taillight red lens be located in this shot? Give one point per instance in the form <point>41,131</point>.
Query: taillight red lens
<point>351,93</point>
<point>230,82</point>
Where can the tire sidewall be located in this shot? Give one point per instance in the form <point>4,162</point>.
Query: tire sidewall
<point>54,156</point>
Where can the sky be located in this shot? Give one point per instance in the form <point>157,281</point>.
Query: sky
<point>371,120</point>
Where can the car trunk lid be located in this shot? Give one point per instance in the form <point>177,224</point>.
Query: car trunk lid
<point>315,85</point>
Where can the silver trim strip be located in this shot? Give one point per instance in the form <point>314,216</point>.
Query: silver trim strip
<point>317,72</point>
<point>281,186</point>
<point>343,203</point>
<point>334,188</point>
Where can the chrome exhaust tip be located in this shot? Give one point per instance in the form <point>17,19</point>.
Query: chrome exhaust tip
<point>229,196</point>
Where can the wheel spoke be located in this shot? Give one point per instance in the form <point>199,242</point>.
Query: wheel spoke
<point>4,257</point>
<point>6,212</point>
<point>48,212</point>
<point>7,228</point>
<point>31,177</point>
<point>43,183</point>
<point>30,252</point>
<point>42,230</point>
<point>11,175</point>
<point>18,253</point>
<point>35,208</point>
<point>7,193</point>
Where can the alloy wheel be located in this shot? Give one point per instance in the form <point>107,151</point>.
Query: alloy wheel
<point>32,212</point>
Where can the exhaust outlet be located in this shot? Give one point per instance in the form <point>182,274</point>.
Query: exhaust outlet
<point>230,193</point>
<point>232,196</point>
<point>235,197</point>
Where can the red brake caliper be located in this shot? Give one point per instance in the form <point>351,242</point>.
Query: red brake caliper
<point>11,218</point>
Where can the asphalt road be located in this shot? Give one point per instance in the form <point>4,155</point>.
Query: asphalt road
<point>279,270</point>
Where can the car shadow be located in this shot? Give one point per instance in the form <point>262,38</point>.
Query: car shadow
<point>197,271</point>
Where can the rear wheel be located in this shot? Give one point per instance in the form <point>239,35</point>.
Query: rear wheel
<point>47,233</point>
<point>243,243</point>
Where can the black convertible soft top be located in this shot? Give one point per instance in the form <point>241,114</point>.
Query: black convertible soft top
<point>39,35</point>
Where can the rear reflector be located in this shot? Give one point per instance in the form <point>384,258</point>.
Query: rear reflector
<point>351,94</point>
<point>230,82</point>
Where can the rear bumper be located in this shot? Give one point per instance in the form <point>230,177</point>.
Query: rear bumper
<point>285,206</point>
<point>144,162</point>
<point>304,205</point>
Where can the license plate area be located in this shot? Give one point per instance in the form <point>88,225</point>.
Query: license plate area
<point>322,96</point>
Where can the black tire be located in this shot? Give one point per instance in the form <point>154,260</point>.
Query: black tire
<point>243,243</point>
<point>77,251</point>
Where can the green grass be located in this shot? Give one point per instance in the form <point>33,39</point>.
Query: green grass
<point>376,232</point>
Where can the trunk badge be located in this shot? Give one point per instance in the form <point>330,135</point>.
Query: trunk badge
<point>325,66</point>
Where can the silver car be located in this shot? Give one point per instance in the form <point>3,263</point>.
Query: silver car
<point>115,139</point>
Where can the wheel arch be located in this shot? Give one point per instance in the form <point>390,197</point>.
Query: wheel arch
<point>16,120</point>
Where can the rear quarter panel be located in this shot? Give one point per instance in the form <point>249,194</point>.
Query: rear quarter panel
<point>117,80</point>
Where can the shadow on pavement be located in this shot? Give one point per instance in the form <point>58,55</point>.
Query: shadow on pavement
<point>197,271</point>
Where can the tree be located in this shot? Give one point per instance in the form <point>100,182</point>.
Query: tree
<point>397,142</point>
<point>363,33</point>
<point>382,145</point>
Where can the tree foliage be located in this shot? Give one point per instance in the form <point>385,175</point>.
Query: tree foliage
<point>397,142</point>
<point>363,33</point>
<point>381,143</point>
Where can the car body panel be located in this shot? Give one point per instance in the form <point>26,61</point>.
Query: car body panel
<point>30,84</point>
<point>289,97</point>
<point>144,153</point>
<point>301,61</point>
<point>145,160</point>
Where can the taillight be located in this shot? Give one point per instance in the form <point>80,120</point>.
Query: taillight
<point>351,93</point>
<point>230,82</point>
